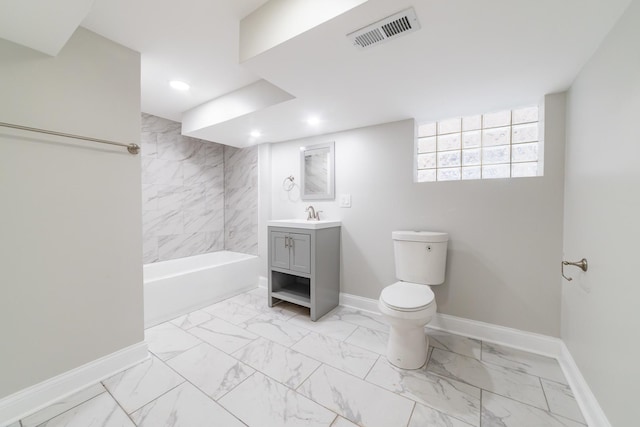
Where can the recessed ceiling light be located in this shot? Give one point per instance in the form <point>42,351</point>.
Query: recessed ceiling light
<point>313,121</point>
<point>256,133</point>
<point>179,85</point>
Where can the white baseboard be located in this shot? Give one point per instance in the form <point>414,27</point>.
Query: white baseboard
<point>263,282</point>
<point>528,341</point>
<point>36,397</point>
<point>593,413</point>
<point>515,338</point>
<point>523,340</point>
<point>361,303</point>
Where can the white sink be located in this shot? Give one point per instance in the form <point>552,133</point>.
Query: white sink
<point>303,223</point>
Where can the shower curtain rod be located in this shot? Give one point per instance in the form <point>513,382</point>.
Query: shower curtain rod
<point>131,148</point>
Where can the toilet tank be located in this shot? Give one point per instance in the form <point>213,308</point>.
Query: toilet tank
<point>420,256</point>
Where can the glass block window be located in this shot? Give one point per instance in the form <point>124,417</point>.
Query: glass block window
<point>505,144</point>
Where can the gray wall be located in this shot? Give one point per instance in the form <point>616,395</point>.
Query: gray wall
<point>241,199</point>
<point>70,230</point>
<point>506,235</point>
<point>182,191</point>
<point>600,316</point>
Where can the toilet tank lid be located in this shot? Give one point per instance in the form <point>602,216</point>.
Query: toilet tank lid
<point>420,236</point>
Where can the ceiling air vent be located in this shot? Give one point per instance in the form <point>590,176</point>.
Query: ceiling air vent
<point>390,27</point>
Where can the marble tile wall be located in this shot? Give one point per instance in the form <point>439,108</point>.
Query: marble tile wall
<point>182,192</point>
<point>197,196</point>
<point>241,199</point>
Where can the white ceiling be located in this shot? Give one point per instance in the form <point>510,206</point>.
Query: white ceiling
<point>193,40</point>
<point>43,25</point>
<point>469,57</point>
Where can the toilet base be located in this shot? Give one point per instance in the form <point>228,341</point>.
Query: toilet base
<point>407,347</point>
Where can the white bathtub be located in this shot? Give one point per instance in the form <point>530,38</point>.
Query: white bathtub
<point>178,286</point>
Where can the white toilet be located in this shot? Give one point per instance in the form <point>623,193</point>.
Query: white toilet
<point>408,305</point>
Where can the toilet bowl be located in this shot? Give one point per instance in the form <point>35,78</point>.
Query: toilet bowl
<point>408,307</point>
<point>409,304</point>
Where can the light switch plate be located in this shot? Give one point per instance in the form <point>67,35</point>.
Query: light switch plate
<point>345,200</point>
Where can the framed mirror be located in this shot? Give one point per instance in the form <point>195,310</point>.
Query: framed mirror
<point>317,172</point>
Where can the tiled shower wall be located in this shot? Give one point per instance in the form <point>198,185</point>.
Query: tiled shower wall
<point>183,191</point>
<point>241,199</point>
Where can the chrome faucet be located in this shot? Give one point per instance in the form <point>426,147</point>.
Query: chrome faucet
<point>312,215</point>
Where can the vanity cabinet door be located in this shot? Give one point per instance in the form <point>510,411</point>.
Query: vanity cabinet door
<point>300,252</point>
<point>279,249</point>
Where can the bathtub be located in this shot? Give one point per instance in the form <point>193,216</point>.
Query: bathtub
<point>178,286</point>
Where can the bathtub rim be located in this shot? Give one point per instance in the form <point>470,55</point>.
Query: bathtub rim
<point>182,292</point>
<point>237,257</point>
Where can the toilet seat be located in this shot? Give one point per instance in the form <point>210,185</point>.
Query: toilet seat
<point>407,296</point>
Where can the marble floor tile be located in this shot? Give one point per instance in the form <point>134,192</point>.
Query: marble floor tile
<point>240,363</point>
<point>423,416</point>
<point>101,411</point>
<point>278,362</point>
<point>506,382</point>
<point>326,326</point>
<point>192,319</point>
<point>454,398</point>
<point>62,405</point>
<point>167,340</point>
<point>499,411</point>
<point>142,383</point>
<point>184,406</point>
<point>260,292</point>
<point>529,363</point>
<point>260,401</point>
<point>258,301</point>
<point>285,310</point>
<point>347,357</point>
<point>369,339</point>
<point>211,370</point>
<point>561,400</point>
<point>360,318</point>
<point>276,330</point>
<point>232,312</point>
<point>256,298</point>
<point>454,343</point>
<point>223,335</point>
<point>356,400</point>
<point>343,422</point>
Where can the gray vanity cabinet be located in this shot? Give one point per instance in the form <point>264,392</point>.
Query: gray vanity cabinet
<point>291,251</point>
<point>304,268</point>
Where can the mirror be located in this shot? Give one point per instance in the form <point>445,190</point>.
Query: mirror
<point>316,170</point>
